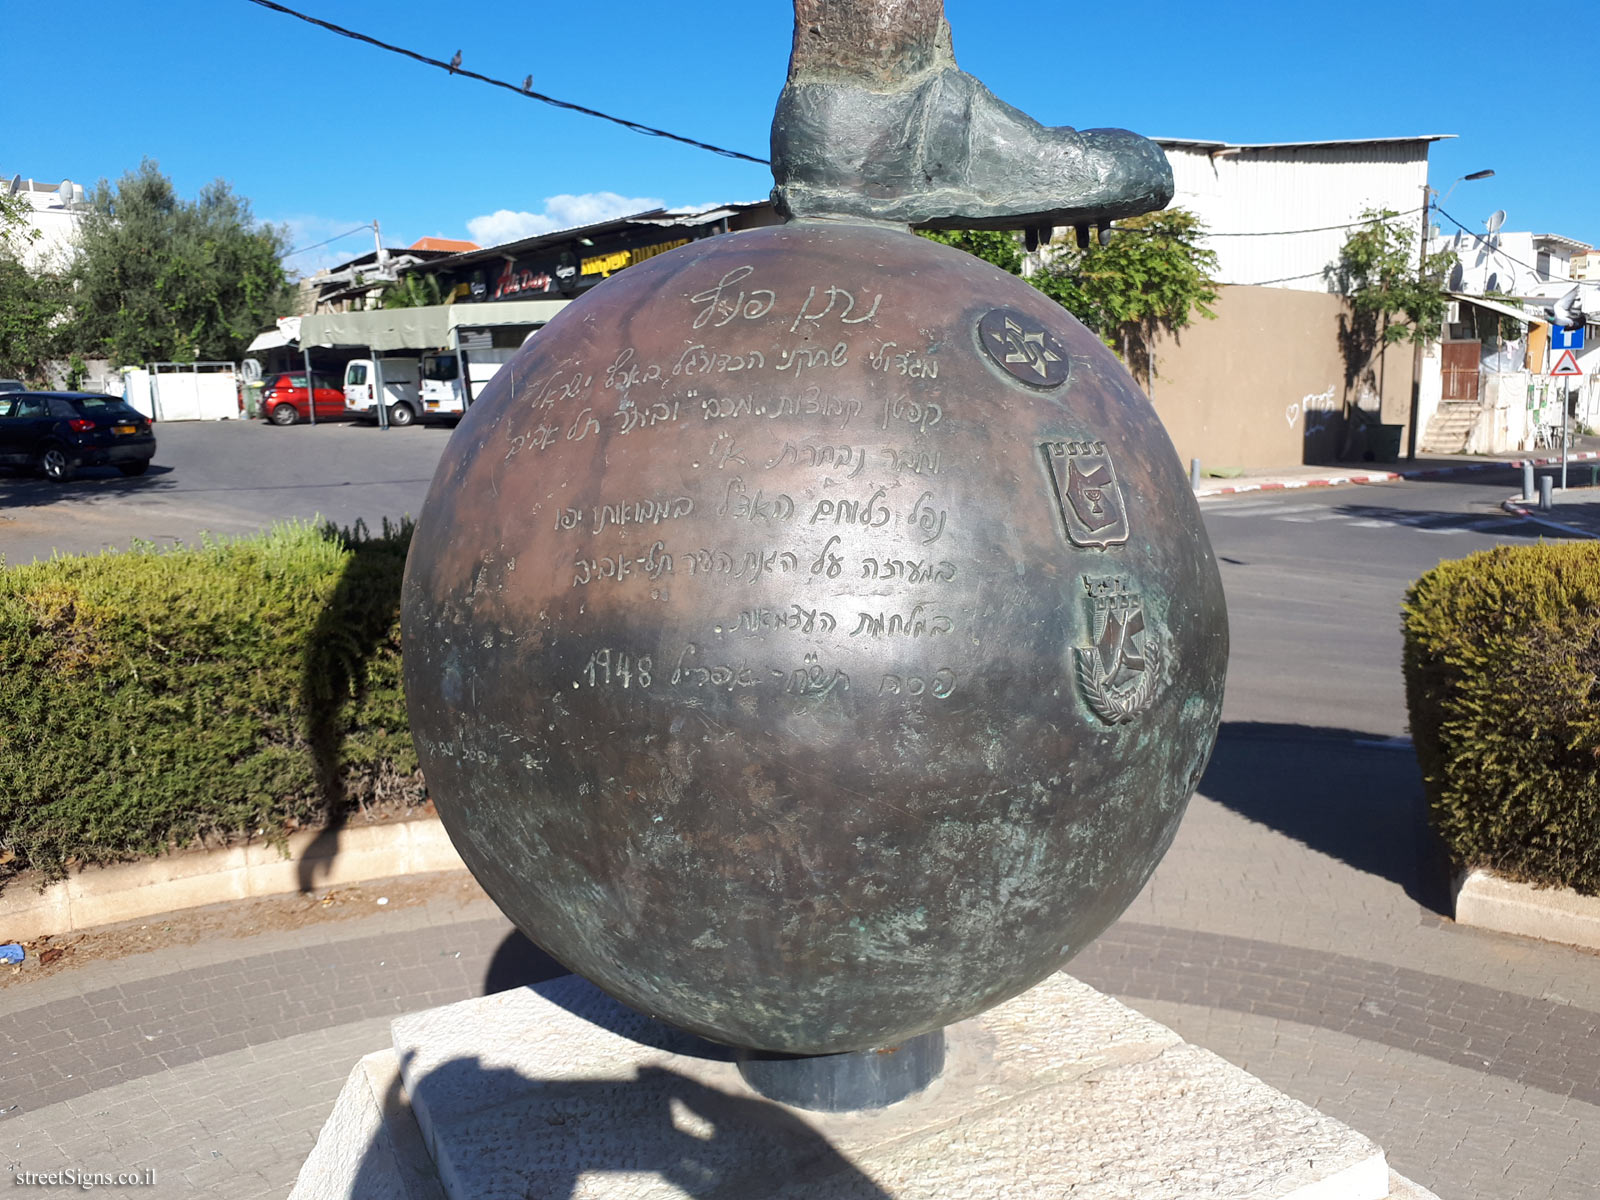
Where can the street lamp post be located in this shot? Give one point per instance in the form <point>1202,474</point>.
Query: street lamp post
<point>1422,269</point>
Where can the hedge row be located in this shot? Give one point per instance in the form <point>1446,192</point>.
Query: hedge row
<point>159,698</point>
<point>1502,660</point>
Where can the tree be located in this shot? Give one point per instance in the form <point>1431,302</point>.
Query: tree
<point>31,305</point>
<point>992,245</point>
<point>1394,297</point>
<point>160,278</point>
<point>1150,278</point>
<point>411,290</point>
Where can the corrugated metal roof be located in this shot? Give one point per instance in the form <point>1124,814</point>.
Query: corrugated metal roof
<point>1206,145</point>
<point>652,216</point>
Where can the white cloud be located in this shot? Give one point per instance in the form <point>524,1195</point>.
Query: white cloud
<point>560,212</point>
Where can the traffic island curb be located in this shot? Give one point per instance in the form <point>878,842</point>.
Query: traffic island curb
<point>1484,900</point>
<point>1515,506</point>
<point>315,858</point>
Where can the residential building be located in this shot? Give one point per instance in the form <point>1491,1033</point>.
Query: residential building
<point>54,212</point>
<point>1496,389</point>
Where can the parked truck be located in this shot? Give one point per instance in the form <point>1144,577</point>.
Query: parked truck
<point>401,388</point>
<point>442,392</point>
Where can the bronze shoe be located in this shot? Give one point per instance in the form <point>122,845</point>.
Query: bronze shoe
<point>945,153</point>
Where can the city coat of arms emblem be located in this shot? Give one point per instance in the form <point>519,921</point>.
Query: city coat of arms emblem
<point>1120,670</point>
<point>1088,492</point>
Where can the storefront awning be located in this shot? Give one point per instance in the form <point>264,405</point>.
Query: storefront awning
<point>428,328</point>
<point>270,340</point>
<point>1505,310</point>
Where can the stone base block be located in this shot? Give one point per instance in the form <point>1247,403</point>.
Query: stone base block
<point>558,1091</point>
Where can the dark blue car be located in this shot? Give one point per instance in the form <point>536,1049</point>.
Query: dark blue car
<point>58,432</point>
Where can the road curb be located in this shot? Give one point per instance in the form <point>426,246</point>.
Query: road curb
<point>92,896</point>
<point>1484,900</point>
<point>1271,485</point>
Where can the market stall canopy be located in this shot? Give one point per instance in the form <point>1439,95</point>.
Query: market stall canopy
<point>425,328</point>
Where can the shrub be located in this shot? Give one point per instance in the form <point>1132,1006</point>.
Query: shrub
<point>156,698</point>
<point>1502,652</point>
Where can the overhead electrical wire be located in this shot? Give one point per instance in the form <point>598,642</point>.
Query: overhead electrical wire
<point>334,238</point>
<point>454,68</point>
<point>1494,247</point>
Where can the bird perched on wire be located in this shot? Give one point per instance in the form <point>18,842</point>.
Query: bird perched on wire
<point>455,62</point>
<point>527,83</point>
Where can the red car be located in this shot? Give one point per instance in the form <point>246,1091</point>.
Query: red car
<point>283,398</point>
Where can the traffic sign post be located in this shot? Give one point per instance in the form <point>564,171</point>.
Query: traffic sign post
<point>1567,364</point>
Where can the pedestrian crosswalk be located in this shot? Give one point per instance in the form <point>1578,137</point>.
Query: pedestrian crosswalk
<point>1361,516</point>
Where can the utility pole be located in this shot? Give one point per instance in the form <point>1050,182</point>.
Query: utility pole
<point>1422,272</point>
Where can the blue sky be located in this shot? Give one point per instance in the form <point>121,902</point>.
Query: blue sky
<point>325,134</point>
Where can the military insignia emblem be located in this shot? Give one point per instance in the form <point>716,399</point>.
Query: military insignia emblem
<point>1024,348</point>
<point>1119,671</point>
<point>1088,493</point>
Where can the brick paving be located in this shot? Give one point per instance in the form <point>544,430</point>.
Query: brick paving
<point>1269,934</point>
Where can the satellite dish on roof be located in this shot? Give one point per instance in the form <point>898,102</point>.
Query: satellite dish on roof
<point>16,185</point>
<point>1496,219</point>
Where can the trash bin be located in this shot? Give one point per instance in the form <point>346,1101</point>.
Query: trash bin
<point>1384,442</point>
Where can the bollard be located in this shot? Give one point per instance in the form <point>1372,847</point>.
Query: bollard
<point>1194,474</point>
<point>1545,482</point>
<point>1594,474</point>
<point>1527,481</point>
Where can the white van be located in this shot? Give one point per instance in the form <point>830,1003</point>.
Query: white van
<point>401,388</point>
<point>442,393</point>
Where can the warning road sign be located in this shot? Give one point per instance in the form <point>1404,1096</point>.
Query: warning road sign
<point>1566,364</point>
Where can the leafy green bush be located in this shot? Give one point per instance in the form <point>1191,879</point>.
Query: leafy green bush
<point>153,699</point>
<point>1502,656</point>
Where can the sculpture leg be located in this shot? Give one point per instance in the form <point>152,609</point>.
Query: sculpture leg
<point>877,123</point>
<point>879,43</point>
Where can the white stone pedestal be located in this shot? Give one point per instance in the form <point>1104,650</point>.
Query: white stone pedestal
<point>558,1092</point>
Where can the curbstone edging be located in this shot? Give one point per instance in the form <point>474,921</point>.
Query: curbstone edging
<point>1486,901</point>
<point>1269,485</point>
<point>93,896</point>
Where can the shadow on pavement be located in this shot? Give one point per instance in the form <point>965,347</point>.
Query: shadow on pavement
<point>1342,793</point>
<point>92,484</point>
<point>517,962</point>
<point>538,1137</point>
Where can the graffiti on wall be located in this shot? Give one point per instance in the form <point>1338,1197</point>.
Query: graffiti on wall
<point>1316,410</point>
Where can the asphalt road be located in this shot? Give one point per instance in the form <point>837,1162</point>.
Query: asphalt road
<point>224,478</point>
<point>1315,579</point>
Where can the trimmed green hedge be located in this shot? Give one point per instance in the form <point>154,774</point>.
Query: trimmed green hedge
<point>153,699</point>
<point>1502,660</point>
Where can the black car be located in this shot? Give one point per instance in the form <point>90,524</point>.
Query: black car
<point>58,432</point>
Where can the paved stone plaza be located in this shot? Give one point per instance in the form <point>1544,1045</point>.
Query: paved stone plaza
<point>1273,938</point>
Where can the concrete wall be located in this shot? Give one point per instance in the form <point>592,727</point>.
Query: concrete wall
<point>1265,384</point>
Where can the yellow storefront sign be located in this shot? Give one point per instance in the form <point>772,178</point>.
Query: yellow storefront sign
<point>607,264</point>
